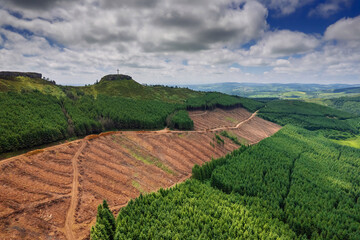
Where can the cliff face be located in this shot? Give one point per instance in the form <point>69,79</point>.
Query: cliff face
<point>11,75</point>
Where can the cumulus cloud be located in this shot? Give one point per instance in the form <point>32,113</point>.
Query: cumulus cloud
<point>332,61</point>
<point>79,41</point>
<point>175,27</point>
<point>284,43</point>
<point>344,30</point>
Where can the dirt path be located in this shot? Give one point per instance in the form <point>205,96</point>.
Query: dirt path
<point>74,195</point>
<point>166,130</point>
<point>245,121</point>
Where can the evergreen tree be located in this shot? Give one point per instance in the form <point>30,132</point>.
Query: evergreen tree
<point>104,228</point>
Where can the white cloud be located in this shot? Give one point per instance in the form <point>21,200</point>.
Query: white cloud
<point>332,62</point>
<point>284,43</point>
<point>171,27</point>
<point>77,42</point>
<point>344,30</point>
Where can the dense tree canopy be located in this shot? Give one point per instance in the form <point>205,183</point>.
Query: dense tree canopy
<point>296,184</point>
<point>331,122</point>
<point>30,119</point>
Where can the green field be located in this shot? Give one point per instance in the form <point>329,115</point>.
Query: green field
<point>351,142</point>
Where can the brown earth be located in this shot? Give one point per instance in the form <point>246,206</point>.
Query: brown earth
<point>54,193</point>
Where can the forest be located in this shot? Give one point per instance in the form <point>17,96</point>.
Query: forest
<point>347,104</point>
<point>309,189</point>
<point>331,122</point>
<point>31,117</point>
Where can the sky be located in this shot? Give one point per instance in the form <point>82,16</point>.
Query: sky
<point>76,42</point>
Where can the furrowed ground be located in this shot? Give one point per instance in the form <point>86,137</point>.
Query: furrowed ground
<point>54,192</point>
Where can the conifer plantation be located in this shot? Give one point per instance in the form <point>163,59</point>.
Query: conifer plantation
<point>297,184</point>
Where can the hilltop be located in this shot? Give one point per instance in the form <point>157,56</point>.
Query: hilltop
<point>111,85</point>
<point>37,111</point>
<point>13,75</point>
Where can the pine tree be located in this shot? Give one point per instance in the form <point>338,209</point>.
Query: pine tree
<point>104,228</point>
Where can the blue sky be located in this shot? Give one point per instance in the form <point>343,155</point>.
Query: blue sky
<point>183,42</point>
<point>302,20</point>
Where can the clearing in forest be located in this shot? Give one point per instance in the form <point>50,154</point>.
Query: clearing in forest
<point>54,193</point>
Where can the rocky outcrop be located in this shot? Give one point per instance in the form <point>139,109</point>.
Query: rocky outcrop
<point>112,77</point>
<point>12,75</point>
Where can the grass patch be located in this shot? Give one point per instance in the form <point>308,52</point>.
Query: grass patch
<point>351,142</point>
<point>233,138</point>
<point>181,135</point>
<point>136,152</point>
<point>232,120</point>
<point>137,185</point>
<point>151,161</point>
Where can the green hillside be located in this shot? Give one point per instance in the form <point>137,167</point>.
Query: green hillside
<point>347,104</point>
<point>294,185</point>
<point>36,111</point>
<point>330,122</point>
<point>297,184</point>
<point>301,183</point>
<point>111,85</point>
<point>26,84</point>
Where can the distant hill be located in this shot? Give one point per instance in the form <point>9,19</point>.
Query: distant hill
<point>348,90</point>
<point>112,85</point>
<point>278,90</point>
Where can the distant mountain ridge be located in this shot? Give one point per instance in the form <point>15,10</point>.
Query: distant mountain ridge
<point>278,90</point>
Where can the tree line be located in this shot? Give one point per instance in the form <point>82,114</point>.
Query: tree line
<point>213,100</point>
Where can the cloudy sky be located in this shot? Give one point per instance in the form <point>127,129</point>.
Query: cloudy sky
<point>76,42</point>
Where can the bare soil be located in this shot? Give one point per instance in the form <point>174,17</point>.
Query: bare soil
<point>54,193</point>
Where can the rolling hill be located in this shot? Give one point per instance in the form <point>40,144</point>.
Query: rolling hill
<point>36,111</point>
<point>280,90</point>
<point>275,169</point>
